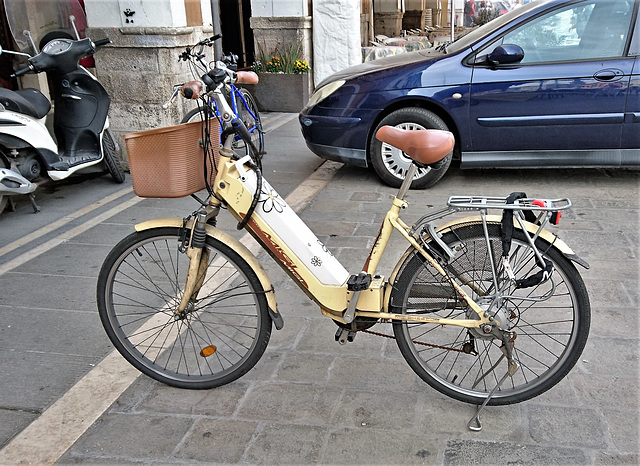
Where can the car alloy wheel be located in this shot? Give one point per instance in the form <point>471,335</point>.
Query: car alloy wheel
<point>391,164</point>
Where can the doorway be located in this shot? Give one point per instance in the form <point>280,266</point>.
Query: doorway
<point>237,35</point>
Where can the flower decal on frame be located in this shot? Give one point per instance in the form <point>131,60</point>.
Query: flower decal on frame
<point>270,200</point>
<point>316,261</point>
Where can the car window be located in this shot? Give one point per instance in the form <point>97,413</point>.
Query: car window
<point>586,30</point>
<point>634,49</point>
<point>478,33</point>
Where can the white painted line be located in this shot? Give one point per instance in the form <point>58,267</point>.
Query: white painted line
<point>281,119</point>
<point>44,247</point>
<point>63,221</point>
<point>47,438</point>
<point>281,122</point>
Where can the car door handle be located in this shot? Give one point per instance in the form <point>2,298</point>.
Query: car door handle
<point>609,74</point>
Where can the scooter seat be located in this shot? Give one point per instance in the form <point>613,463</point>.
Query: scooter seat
<point>27,101</point>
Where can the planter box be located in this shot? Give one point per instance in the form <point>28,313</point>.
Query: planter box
<point>281,92</point>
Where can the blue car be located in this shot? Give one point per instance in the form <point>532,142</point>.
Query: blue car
<point>555,83</point>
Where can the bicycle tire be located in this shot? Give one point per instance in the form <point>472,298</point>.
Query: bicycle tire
<point>250,115</point>
<point>220,338</point>
<point>550,334</point>
<point>246,114</point>
<point>110,160</point>
<point>195,115</point>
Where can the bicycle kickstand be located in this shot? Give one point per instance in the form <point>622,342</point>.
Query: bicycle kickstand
<point>474,423</point>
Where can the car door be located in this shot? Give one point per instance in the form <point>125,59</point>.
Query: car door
<point>631,128</point>
<point>567,94</point>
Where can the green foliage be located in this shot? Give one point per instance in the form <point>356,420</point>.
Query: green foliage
<point>282,59</point>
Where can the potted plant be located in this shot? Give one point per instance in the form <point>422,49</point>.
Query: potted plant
<point>283,79</point>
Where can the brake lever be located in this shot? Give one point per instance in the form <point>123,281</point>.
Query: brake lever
<point>176,90</point>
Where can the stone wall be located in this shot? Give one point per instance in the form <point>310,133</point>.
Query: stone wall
<point>269,32</point>
<point>283,30</point>
<point>388,23</point>
<point>139,70</point>
<point>413,19</point>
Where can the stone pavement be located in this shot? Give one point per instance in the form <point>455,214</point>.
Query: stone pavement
<point>310,400</point>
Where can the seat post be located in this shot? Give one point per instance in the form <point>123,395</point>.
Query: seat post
<point>406,183</point>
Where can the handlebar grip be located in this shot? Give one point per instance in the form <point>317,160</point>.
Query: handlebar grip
<point>22,71</point>
<point>101,42</point>
<point>192,90</point>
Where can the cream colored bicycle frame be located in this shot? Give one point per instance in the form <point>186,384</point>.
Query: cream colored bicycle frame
<point>334,300</point>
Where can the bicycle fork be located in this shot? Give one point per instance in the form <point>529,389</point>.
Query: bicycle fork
<point>198,263</point>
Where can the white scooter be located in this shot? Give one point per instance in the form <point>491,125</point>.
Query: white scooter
<point>28,152</point>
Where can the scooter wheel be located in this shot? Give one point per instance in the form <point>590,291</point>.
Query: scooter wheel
<point>110,160</point>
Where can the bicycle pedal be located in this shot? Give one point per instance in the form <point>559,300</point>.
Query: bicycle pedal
<point>359,282</point>
<point>343,336</point>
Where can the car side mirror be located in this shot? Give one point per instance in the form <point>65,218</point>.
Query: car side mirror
<point>506,54</point>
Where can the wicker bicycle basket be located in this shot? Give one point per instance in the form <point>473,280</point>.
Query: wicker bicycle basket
<point>169,162</point>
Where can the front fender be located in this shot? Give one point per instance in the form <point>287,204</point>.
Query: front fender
<point>238,247</point>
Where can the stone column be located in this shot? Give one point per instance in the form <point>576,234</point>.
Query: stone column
<point>141,66</point>
<point>139,70</point>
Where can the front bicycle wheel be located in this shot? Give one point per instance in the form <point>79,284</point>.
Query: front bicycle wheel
<point>550,320</point>
<point>217,339</point>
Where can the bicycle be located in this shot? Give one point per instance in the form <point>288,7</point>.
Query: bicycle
<point>241,101</point>
<point>488,310</point>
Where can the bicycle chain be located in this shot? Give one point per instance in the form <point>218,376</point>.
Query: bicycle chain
<point>416,342</point>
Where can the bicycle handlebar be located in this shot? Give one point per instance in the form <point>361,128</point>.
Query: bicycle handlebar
<point>192,90</point>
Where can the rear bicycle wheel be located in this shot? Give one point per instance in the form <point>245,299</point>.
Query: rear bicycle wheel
<point>218,338</point>
<point>551,320</point>
<point>249,114</point>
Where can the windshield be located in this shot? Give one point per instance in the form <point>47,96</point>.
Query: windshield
<point>478,33</point>
<point>42,17</point>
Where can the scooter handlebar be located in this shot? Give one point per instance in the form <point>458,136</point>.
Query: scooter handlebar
<point>22,71</point>
<point>101,42</point>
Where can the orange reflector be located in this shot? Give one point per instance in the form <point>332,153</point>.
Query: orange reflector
<point>208,351</point>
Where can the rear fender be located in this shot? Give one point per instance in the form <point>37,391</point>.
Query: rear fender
<point>239,248</point>
<point>531,228</point>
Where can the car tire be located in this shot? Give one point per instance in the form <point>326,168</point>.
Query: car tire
<point>391,164</point>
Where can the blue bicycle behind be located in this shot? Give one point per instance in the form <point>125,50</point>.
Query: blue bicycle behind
<point>240,99</point>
